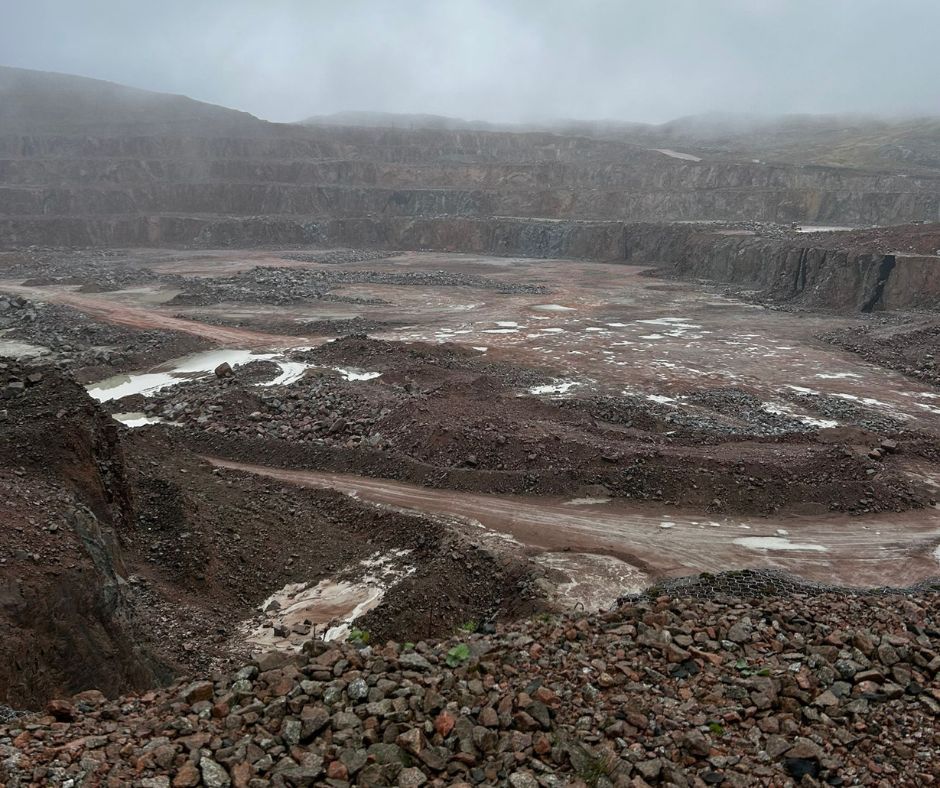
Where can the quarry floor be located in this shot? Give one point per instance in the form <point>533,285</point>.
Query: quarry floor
<point>688,353</point>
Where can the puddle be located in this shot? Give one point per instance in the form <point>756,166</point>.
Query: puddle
<point>17,349</point>
<point>877,403</point>
<point>202,364</point>
<point>560,387</point>
<point>291,371</point>
<point>674,154</point>
<point>779,409</point>
<point>135,419</point>
<point>171,373</point>
<point>589,581</point>
<point>356,374</point>
<point>777,543</point>
<point>299,611</point>
<point>678,323</point>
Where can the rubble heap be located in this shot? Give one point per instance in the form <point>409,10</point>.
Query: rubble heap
<point>811,688</point>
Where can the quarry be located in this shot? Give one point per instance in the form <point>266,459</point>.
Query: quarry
<point>370,455</point>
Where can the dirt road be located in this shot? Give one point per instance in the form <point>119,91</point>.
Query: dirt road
<point>874,551</point>
<point>100,307</point>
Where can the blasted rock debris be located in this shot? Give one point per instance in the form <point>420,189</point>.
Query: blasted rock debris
<point>292,285</point>
<point>809,689</point>
<point>73,340</point>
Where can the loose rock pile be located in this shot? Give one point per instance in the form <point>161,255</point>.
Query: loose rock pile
<point>339,256</point>
<point>77,341</point>
<point>913,351</point>
<point>808,689</point>
<point>321,409</point>
<point>291,285</point>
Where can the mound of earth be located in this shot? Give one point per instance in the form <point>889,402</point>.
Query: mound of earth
<point>806,689</point>
<point>125,558</point>
<point>913,349</point>
<point>449,416</point>
<point>91,349</point>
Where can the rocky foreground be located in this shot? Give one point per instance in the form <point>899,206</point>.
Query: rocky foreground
<point>808,689</point>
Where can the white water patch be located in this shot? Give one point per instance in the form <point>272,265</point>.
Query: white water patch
<point>16,349</point>
<point>660,398</point>
<point>171,373</point>
<point>823,424</point>
<point>356,374</point>
<point>507,324</point>
<point>822,228</point>
<point>836,375</point>
<point>936,553</point>
<point>778,543</point>
<point>500,330</point>
<point>480,348</point>
<point>871,401</point>
<point>586,501</point>
<point>674,154</point>
<point>802,389</point>
<point>328,608</point>
<point>779,409</point>
<point>653,336</point>
<point>291,371</point>
<point>678,326</point>
<point>589,581</point>
<point>135,419</point>
<point>199,365</point>
<point>560,387</point>
<point>552,330</point>
<point>553,308</point>
<point>618,325</point>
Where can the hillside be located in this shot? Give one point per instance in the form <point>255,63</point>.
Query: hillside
<point>84,162</point>
<point>40,102</point>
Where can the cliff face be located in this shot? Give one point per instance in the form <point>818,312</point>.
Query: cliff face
<point>142,158</point>
<point>63,611</point>
<point>147,169</point>
<point>832,276</point>
<point>338,174</point>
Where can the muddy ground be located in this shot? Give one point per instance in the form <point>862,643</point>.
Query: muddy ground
<point>500,435</point>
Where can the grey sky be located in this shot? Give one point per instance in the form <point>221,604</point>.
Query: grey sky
<point>646,60</point>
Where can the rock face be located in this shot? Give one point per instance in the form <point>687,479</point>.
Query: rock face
<point>154,169</point>
<point>679,691</point>
<point>62,479</point>
<point>815,272</point>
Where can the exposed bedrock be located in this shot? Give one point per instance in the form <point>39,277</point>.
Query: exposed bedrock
<point>62,602</point>
<point>497,236</point>
<point>239,188</point>
<point>836,275</point>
